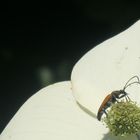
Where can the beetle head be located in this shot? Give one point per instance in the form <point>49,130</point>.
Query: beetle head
<point>119,93</point>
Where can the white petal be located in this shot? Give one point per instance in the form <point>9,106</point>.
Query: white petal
<point>53,114</point>
<point>106,68</point>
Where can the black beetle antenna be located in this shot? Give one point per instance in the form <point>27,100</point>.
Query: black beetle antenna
<point>127,85</point>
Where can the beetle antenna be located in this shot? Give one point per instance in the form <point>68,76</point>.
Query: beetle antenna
<point>127,85</point>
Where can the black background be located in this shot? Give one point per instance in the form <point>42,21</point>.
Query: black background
<point>51,36</point>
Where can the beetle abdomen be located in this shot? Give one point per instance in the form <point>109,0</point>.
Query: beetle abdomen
<point>105,104</point>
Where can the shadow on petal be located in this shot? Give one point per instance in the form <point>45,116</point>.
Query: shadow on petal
<point>110,136</point>
<point>87,111</point>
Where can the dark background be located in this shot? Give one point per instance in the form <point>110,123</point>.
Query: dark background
<point>40,43</point>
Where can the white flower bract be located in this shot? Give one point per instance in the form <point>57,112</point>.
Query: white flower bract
<point>106,68</point>
<point>67,110</point>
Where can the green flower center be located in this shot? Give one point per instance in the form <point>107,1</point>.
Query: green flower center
<point>123,118</point>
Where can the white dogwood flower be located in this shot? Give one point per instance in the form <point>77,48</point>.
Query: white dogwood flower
<point>68,110</point>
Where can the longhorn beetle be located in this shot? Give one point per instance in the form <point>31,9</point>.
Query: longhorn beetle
<point>114,96</point>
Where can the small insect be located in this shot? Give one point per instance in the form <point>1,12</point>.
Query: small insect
<point>114,96</point>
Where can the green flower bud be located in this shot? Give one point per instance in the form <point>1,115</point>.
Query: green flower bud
<point>123,118</point>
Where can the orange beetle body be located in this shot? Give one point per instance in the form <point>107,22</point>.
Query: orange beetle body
<point>109,99</point>
<point>103,105</point>
<point>114,97</point>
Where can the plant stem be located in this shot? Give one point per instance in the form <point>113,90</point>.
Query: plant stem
<point>138,136</point>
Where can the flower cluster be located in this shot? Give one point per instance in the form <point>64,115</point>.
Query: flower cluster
<point>123,118</point>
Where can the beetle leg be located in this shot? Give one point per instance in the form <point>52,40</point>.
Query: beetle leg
<point>105,112</point>
<point>114,98</point>
<point>127,98</point>
<point>108,104</point>
<point>117,101</point>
